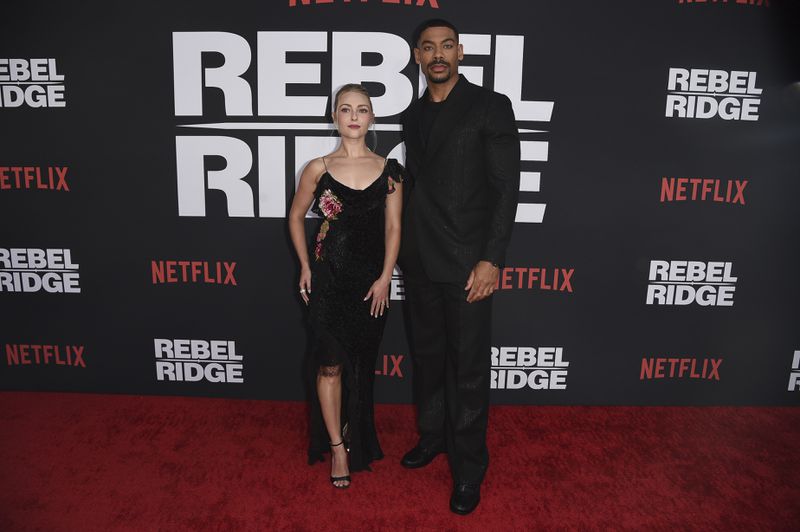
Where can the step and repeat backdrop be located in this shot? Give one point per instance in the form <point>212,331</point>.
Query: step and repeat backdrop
<point>150,151</point>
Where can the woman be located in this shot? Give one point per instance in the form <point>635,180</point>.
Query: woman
<point>349,269</point>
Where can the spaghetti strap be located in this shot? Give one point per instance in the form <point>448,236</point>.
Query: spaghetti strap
<point>324,163</point>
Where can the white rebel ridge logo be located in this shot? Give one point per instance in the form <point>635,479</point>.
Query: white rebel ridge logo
<point>703,93</point>
<point>397,288</point>
<point>794,376</point>
<point>198,360</point>
<point>35,269</point>
<point>537,368</point>
<point>274,73</point>
<point>683,282</point>
<point>31,82</point>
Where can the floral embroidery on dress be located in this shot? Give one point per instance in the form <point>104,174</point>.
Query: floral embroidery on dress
<point>392,183</point>
<point>330,206</point>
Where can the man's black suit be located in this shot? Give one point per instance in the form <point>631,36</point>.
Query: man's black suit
<point>460,210</point>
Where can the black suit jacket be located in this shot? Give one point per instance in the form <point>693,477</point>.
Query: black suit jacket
<point>464,183</point>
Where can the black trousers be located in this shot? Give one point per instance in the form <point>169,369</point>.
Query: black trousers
<point>450,349</point>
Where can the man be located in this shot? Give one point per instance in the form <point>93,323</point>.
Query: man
<point>462,152</point>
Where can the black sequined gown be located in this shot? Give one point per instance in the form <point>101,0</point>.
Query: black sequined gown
<point>347,257</point>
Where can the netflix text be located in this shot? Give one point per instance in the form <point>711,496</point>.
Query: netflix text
<point>193,272</point>
<point>45,355</point>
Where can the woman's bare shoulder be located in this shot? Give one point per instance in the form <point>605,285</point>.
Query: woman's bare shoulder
<point>315,168</point>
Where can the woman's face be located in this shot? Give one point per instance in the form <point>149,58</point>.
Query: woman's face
<point>353,115</point>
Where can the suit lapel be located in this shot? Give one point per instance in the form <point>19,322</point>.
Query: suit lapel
<point>458,102</point>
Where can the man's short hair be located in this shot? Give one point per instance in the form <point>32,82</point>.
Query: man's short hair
<point>432,23</point>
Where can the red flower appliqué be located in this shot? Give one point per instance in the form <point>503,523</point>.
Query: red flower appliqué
<point>330,206</point>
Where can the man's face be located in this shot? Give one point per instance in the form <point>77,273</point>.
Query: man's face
<point>438,54</point>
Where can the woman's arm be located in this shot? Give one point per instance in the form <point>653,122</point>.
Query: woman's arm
<point>379,291</point>
<point>394,208</point>
<point>297,216</point>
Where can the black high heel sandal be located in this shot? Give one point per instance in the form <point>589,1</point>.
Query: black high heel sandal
<point>346,478</point>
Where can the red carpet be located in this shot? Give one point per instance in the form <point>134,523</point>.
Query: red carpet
<point>96,462</point>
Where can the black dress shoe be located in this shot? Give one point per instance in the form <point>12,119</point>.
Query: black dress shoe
<point>465,497</point>
<point>419,457</point>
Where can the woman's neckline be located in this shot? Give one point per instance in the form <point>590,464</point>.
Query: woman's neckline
<point>385,164</point>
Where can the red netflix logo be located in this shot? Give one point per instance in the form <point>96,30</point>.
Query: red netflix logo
<point>680,368</point>
<point>45,355</point>
<point>34,177</point>
<point>193,271</point>
<point>389,366</point>
<point>703,189</point>
<point>524,278</point>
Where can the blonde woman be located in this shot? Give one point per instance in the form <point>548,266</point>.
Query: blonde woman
<point>344,280</point>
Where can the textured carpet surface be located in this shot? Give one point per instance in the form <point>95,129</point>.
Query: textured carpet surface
<point>99,462</point>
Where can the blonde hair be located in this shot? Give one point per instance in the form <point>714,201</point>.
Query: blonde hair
<point>351,87</point>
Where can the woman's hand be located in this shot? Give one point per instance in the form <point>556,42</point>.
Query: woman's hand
<point>379,292</point>
<point>302,201</point>
<point>305,283</point>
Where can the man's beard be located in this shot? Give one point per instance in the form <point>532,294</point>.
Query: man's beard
<point>443,77</point>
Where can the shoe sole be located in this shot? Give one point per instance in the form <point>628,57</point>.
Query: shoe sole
<point>462,512</point>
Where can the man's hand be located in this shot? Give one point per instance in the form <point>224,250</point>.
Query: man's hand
<point>482,280</point>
